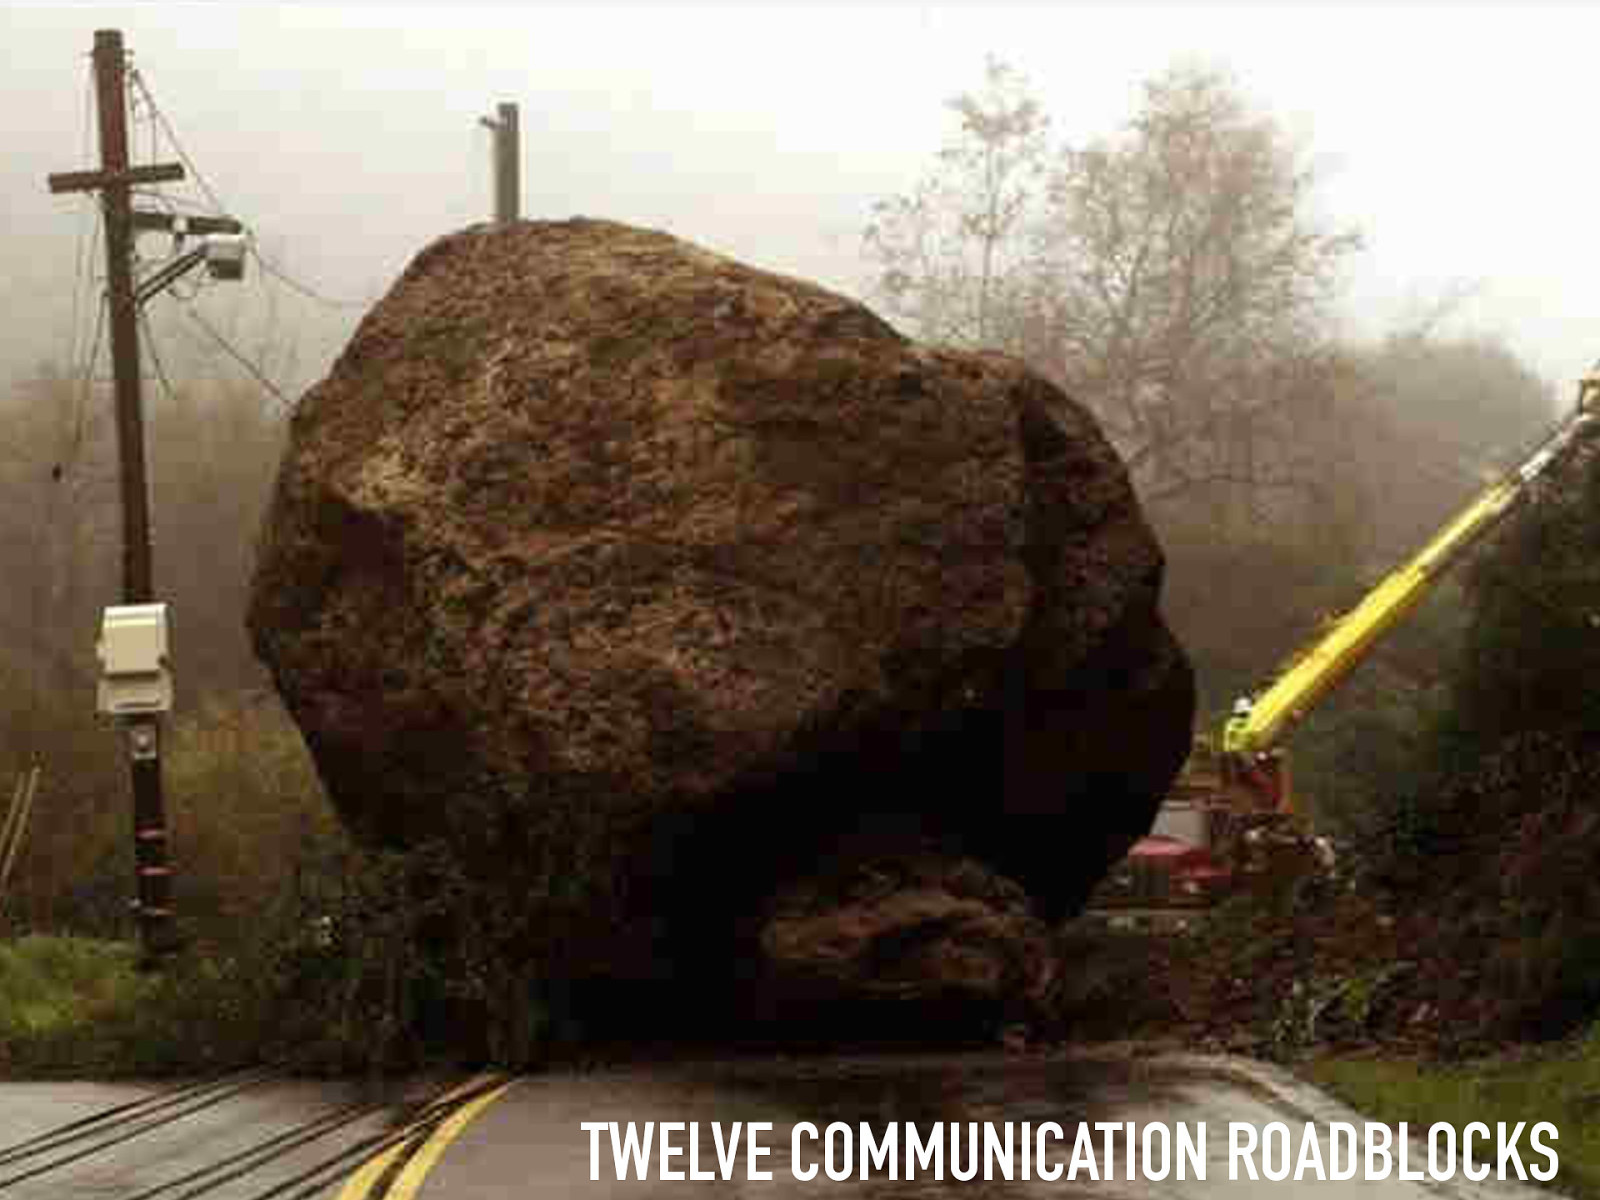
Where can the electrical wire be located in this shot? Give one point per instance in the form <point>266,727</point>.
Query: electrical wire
<point>255,371</point>
<point>45,530</point>
<point>171,202</point>
<point>159,119</point>
<point>149,342</point>
<point>220,208</point>
<point>86,207</point>
<point>85,383</point>
<point>84,278</point>
<point>83,290</point>
<point>284,403</point>
<point>283,276</point>
<point>136,78</point>
<point>83,286</point>
<point>44,538</point>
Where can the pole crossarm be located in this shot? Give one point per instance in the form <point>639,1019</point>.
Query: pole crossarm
<point>89,181</point>
<point>144,220</point>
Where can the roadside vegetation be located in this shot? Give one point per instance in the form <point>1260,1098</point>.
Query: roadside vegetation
<point>78,1006</point>
<point>1450,968</point>
<point>299,946</point>
<point>1556,1084</point>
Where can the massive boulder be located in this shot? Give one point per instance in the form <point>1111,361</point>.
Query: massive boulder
<point>658,584</point>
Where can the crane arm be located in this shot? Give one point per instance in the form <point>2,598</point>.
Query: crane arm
<point>1311,675</point>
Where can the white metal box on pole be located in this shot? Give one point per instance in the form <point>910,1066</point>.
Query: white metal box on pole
<point>135,677</point>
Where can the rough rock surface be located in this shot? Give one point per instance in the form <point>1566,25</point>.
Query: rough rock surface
<point>852,946</point>
<point>659,583</point>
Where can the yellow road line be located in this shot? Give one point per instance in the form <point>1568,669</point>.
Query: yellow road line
<point>410,1179</point>
<point>360,1185</point>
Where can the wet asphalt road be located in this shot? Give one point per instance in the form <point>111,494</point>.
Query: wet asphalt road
<point>131,1154</point>
<point>529,1143</point>
<point>525,1141</point>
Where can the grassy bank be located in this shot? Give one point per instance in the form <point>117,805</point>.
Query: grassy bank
<point>1557,1084</point>
<point>79,1007</point>
<point>399,965</point>
<point>57,986</point>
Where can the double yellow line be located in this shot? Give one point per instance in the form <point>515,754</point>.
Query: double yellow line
<point>397,1172</point>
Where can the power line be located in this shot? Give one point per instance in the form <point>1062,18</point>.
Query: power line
<point>46,533</point>
<point>304,289</point>
<point>137,78</point>
<point>80,266</point>
<point>81,400</point>
<point>155,357</point>
<point>159,120</point>
<point>265,263</point>
<point>227,347</point>
<point>172,203</point>
<point>82,288</point>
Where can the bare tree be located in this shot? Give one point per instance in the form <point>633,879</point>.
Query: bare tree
<point>949,256</point>
<point>1181,289</point>
<point>1171,277</point>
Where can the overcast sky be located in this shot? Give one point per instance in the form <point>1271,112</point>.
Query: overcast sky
<point>1460,139</point>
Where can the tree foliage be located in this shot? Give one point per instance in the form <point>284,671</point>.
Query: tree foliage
<point>1533,645</point>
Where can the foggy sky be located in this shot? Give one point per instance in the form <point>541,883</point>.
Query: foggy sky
<point>1460,140</point>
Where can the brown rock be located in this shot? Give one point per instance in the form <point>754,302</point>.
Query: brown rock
<point>948,936</point>
<point>654,581</point>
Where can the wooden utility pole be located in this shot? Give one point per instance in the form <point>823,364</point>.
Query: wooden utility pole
<point>110,72</point>
<point>507,163</point>
<point>114,181</point>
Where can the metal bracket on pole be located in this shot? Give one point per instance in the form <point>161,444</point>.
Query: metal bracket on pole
<point>144,740</point>
<point>164,276</point>
<point>195,226</point>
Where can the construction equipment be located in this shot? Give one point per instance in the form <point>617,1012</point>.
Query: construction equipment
<point>1240,790</point>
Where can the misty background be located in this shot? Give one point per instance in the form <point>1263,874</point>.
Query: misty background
<point>1437,310</point>
<point>1457,136</point>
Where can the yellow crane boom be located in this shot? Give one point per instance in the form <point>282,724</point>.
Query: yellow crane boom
<point>1311,675</point>
<point>1234,805</point>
